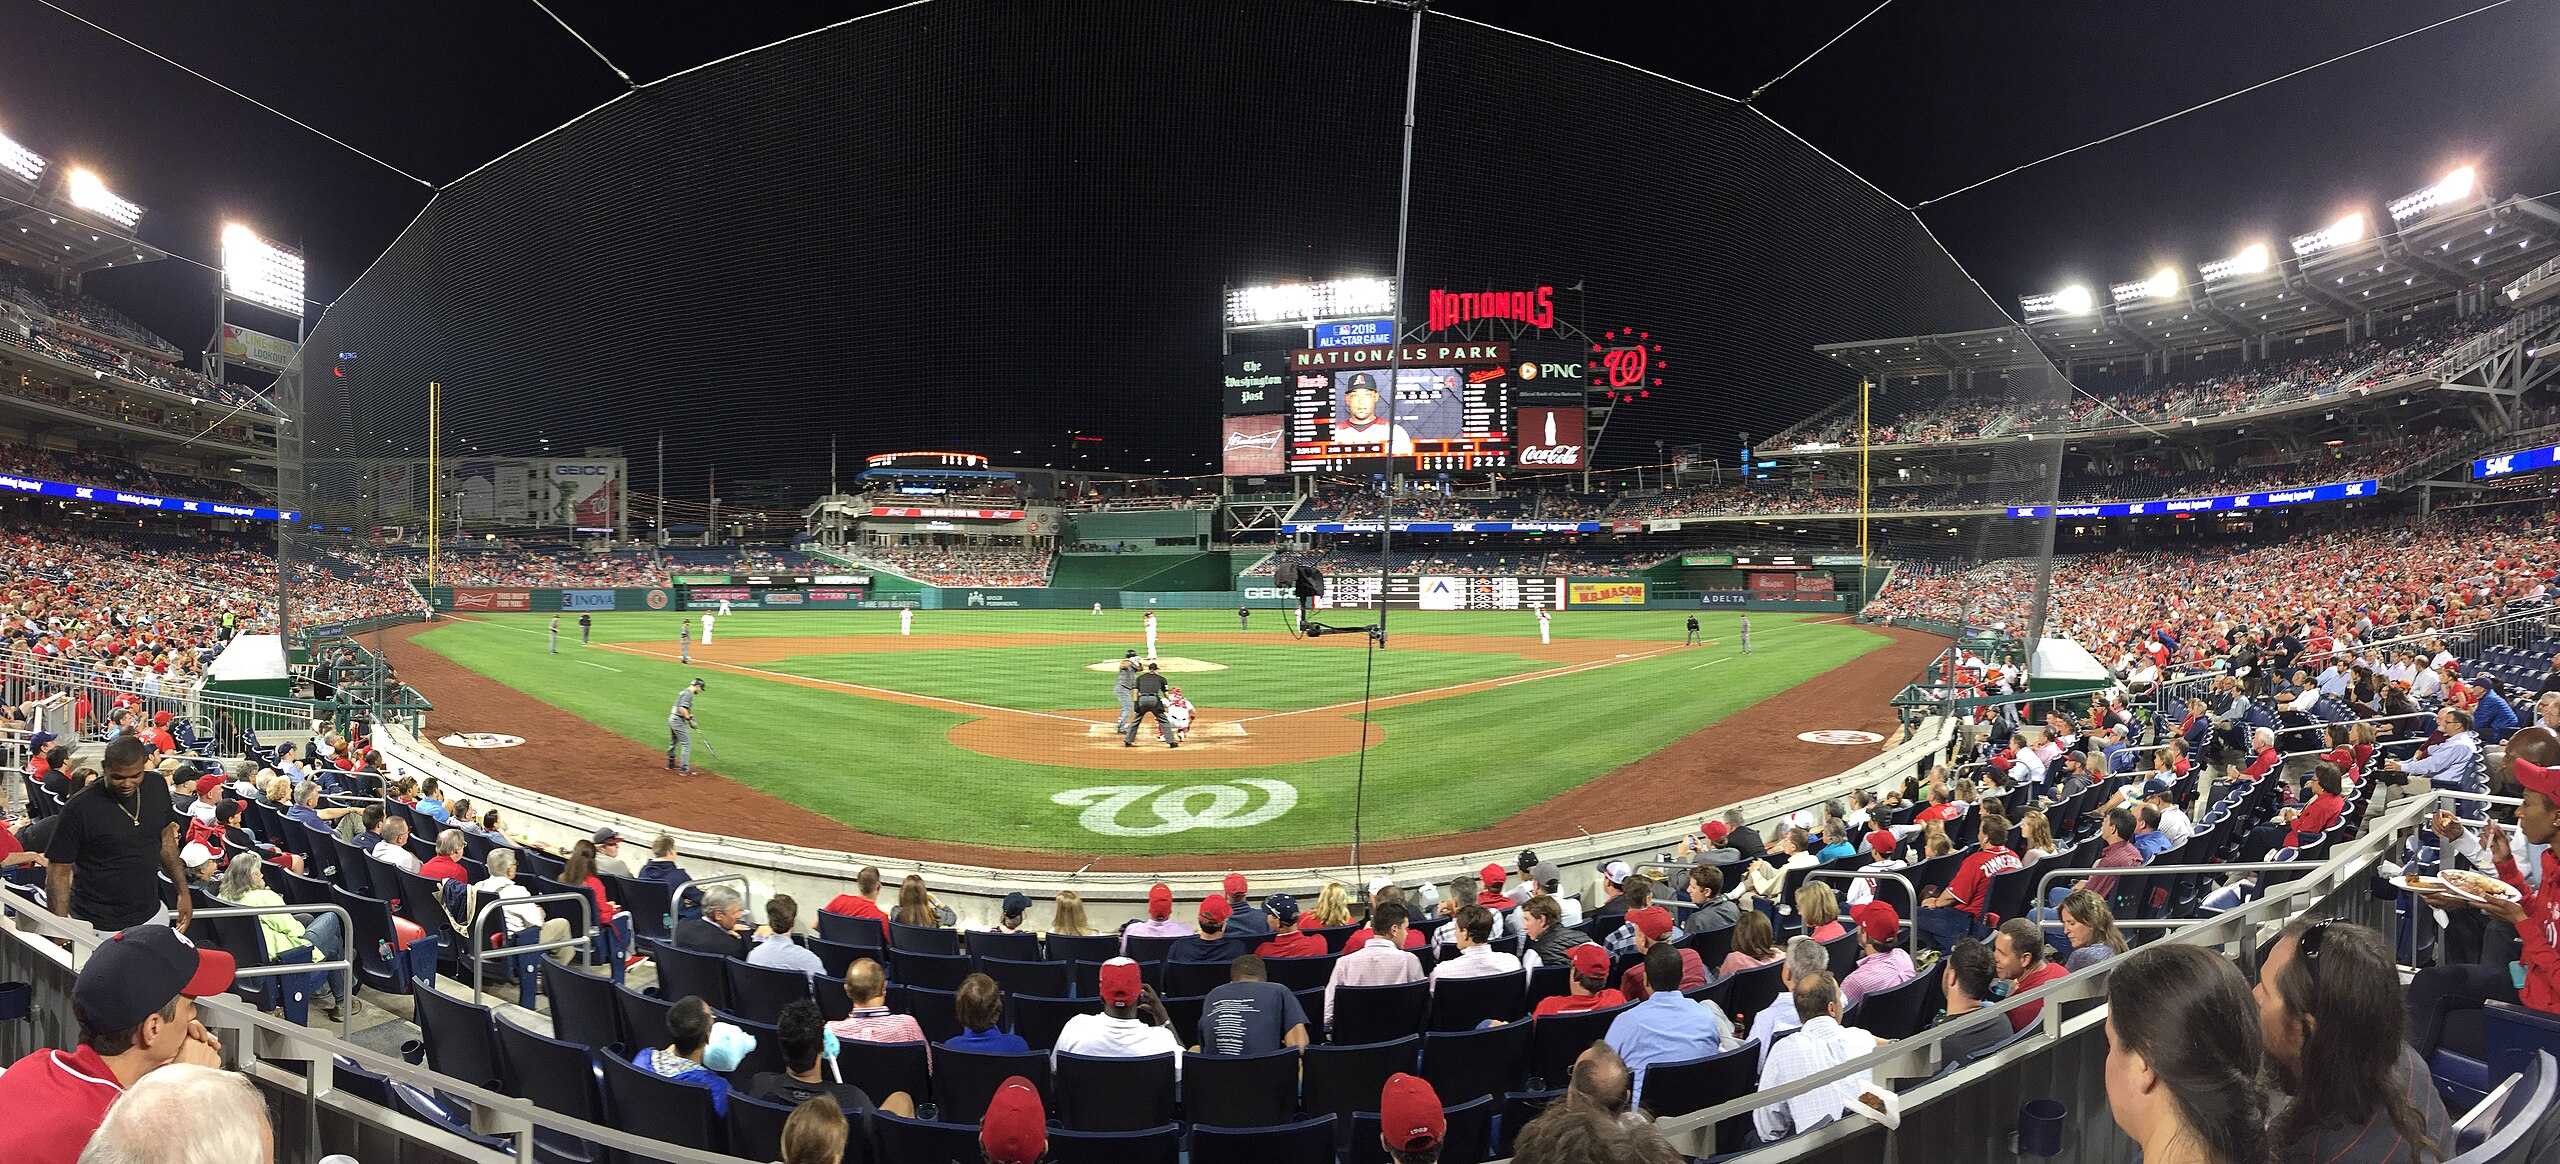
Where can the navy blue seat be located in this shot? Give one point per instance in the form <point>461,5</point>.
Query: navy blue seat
<point>1099,1094</point>
<point>1308,1141</point>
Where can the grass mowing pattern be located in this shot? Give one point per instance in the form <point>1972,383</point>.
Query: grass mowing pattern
<point>1446,764</point>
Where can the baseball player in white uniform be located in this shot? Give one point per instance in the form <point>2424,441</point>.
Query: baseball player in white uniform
<point>1151,634</point>
<point>1542,626</point>
<point>724,611</point>
<point>706,628</point>
<point>1177,713</point>
<point>906,620</point>
<point>1097,610</point>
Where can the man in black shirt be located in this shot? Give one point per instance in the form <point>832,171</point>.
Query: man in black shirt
<point>1149,701</point>
<point>800,1034</point>
<point>118,836</point>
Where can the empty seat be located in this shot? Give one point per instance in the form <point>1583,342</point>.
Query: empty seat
<point>1096,1094</point>
<point>1308,1141</point>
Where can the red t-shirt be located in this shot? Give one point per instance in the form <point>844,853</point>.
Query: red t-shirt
<point>159,739</point>
<point>2019,1018</point>
<point>852,905</point>
<point>1973,879</point>
<point>55,1101</point>
<point>1693,974</point>
<point>1947,811</point>
<point>444,868</point>
<point>1569,1004</point>
<point>1360,937</point>
<point>1294,944</point>
<point>2315,818</point>
<point>2266,761</point>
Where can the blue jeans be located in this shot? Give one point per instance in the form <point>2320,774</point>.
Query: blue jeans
<point>1942,926</point>
<point>328,938</point>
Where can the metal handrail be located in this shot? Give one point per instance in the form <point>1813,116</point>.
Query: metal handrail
<point>344,965</point>
<point>1852,875</point>
<point>481,955</point>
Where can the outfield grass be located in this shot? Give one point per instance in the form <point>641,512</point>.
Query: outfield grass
<point>1445,764</point>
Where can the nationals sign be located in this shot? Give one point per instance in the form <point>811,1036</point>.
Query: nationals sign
<point>1550,438</point>
<point>937,511</point>
<point>1535,308</point>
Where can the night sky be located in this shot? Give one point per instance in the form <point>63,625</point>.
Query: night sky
<point>1920,100</point>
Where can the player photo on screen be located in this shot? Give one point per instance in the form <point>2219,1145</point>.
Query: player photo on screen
<point>1428,404</point>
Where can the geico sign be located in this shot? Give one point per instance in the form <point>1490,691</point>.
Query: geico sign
<point>1551,455</point>
<point>582,470</point>
<point>1533,371</point>
<point>1268,592</point>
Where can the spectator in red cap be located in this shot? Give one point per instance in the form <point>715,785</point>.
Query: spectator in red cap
<point>2535,913</point>
<point>208,799</point>
<point>157,735</point>
<point>1411,1124</point>
<point>1015,1129</point>
<point>1213,943</point>
<point>1133,1023</point>
<point>135,1004</point>
<point>1589,986</point>
<point>1881,847</point>
<point>1296,938</point>
<point>1159,923</point>
<point>1652,926</point>
<point>1491,895</point>
<point>1244,919</point>
<point>1882,962</point>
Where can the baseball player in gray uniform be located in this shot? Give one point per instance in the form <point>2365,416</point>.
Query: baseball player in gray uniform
<point>680,729</point>
<point>555,634</point>
<point>1127,689</point>
<point>684,642</point>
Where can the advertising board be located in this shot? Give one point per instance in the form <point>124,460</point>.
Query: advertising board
<point>1256,382</point>
<point>1605,594</point>
<point>479,599</point>
<point>1551,438</point>
<point>586,600</point>
<point>1254,445</point>
<point>1437,592</point>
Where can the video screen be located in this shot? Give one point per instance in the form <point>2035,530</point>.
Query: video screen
<point>1441,418</point>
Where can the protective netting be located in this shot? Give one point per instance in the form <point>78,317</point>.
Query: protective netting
<point>1006,229</point>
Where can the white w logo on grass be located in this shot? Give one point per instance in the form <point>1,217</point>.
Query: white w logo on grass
<point>1225,807</point>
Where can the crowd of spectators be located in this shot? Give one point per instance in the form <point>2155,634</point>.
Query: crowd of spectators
<point>1938,416</point>
<point>118,473</point>
<point>524,565</point>
<point>1366,505</point>
<point>2192,601</point>
<point>34,294</point>
<point>961,565</point>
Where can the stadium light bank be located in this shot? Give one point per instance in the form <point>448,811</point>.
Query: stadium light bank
<point>259,272</point>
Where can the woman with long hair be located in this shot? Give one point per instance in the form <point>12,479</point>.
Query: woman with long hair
<point>1819,909</point>
<point>2335,1024</point>
<point>2035,836</point>
<point>1754,944</point>
<point>1066,915</point>
<point>1333,904</point>
<point>2183,1056</point>
<point>614,935</point>
<point>916,906</point>
<point>2090,927</point>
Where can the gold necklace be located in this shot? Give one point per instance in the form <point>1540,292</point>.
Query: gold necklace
<point>134,812</point>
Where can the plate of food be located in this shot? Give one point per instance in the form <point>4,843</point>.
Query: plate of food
<point>2423,885</point>
<point>2479,887</point>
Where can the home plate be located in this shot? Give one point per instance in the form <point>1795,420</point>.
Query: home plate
<point>1200,733</point>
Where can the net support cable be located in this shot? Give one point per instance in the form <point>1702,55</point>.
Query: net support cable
<point>2201,105</point>
<point>581,38</point>
<point>332,138</point>
<point>1808,57</point>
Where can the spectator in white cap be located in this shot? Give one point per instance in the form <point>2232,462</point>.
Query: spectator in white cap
<point>199,864</point>
<point>1613,881</point>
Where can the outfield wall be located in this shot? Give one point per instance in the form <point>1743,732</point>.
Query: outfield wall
<point>1581,593</point>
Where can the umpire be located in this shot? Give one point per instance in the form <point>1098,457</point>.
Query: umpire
<point>1150,702</point>
<point>1126,689</point>
<point>680,729</point>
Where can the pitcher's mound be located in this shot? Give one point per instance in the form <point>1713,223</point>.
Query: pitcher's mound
<point>1170,664</point>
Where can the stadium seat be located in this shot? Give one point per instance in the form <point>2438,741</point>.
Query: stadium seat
<point>1898,1012</point>
<point>1335,936</point>
<point>381,963</point>
<point>923,939</point>
<point>1157,1145</point>
<point>985,944</point>
<point>1241,1091</point>
<point>1341,1079</point>
<point>1182,1012</point>
<point>1462,1065</point>
<point>1377,1014</point>
<point>1844,953</point>
<point>755,1128</point>
<point>1558,1038</point>
<point>1053,979</point>
<point>1467,1140</point>
<point>1711,946</point>
<point>939,971</point>
<point>937,1011</point>
<point>459,1040</point>
<point>760,992</point>
<point>1308,1141</point>
<point>926,1140</point>
<point>553,1075</point>
<point>688,973</point>
<point>1310,973</point>
<point>644,1017</point>
<point>1676,1089</point>
<point>1463,1004</point>
<point>2526,1127</point>
<point>861,932</point>
<point>1114,1094</point>
<point>1747,991</point>
<point>883,1069</point>
<point>1094,948</point>
<point>643,1104</point>
<point>1038,1020</point>
<point>765,1056</point>
<point>583,1010</point>
<point>963,1081</point>
<point>1518,1108</point>
<point>1190,979</point>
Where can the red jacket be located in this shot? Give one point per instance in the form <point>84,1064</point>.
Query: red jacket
<point>2315,818</point>
<point>1294,944</point>
<point>853,905</point>
<point>2540,932</point>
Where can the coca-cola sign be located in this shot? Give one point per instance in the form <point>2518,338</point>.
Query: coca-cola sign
<point>1254,445</point>
<point>1551,438</point>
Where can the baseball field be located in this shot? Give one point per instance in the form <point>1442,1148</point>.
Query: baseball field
<point>991,731</point>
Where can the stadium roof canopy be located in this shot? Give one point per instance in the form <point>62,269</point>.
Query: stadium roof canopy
<point>65,218</point>
<point>1996,349</point>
